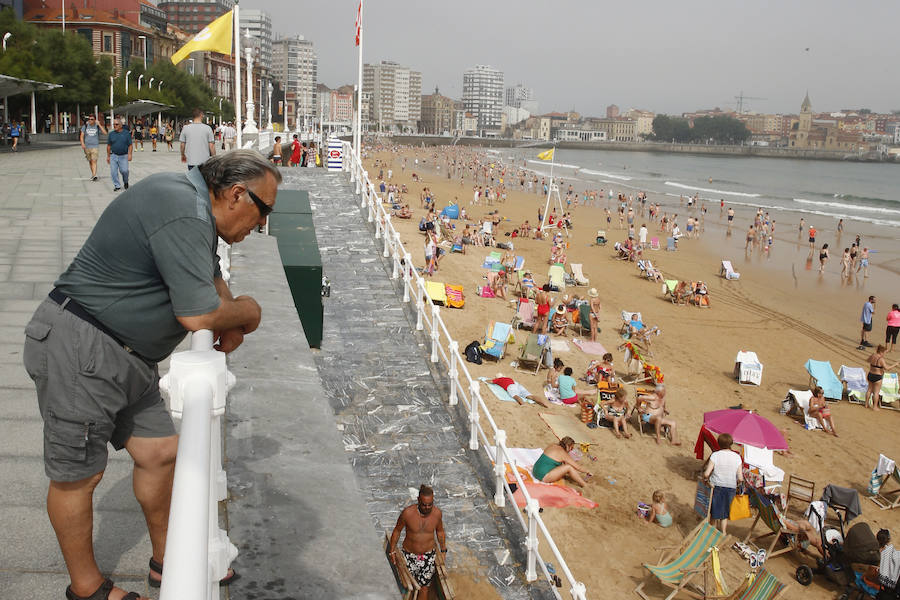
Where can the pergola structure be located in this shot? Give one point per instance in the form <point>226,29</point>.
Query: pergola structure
<point>139,108</point>
<point>13,86</point>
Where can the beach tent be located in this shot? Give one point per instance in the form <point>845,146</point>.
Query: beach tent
<point>821,374</point>
<point>451,212</point>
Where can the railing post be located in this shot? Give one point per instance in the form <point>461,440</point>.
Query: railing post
<point>371,218</point>
<point>420,309</point>
<point>531,542</point>
<point>407,267</point>
<point>578,591</point>
<point>500,468</point>
<point>363,198</point>
<point>378,227</point>
<point>454,372</point>
<point>387,238</point>
<point>474,397</point>
<point>435,333</point>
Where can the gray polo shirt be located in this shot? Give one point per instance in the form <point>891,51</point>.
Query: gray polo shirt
<point>151,256</point>
<point>196,137</point>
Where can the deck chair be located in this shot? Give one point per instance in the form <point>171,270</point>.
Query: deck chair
<point>526,314</point>
<point>583,325</point>
<point>821,374</point>
<point>496,336</point>
<point>437,292</point>
<point>854,381</point>
<point>802,491</point>
<point>578,275</point>
<point>764,586</point>
<point>557,276</point>
<point>600,240</point>
<point>888,499</point>
<point>532,352</point>
<point>678,569</point>
<point>668,289</point>
<point>405,581</point>
<point>769,514</point>
<point>520,264</point>
<point>651,272</point>
<point>699,294</point>
<point>747,368</point>
<point>890,391</point>
<point>727,271</point>
<point>491,260</point>
<point>455,296</point>
<point>670,244</point>
<point>654,243</point>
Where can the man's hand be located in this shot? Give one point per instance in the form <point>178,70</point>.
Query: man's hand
<point>251,326</point>
<point>393,556</point>
<point>229,340</point>
<point>129,157</point>
<point>107,159</point>
<point>183,158</point>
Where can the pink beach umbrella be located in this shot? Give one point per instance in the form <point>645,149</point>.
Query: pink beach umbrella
<point>746,428</point>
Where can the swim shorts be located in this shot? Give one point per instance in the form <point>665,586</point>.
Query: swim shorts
<point>421,566</point>
<point>890,336</point>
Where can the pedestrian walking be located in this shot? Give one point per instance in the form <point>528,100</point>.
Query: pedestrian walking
<point>197,141</point>
<point>90,142</point>
<point>421,521</point>
<point>868,310</point>
<point>15,132</point>
<point>142,280</point>
<point>119,151</point>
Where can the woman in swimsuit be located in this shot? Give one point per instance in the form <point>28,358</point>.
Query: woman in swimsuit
<point>617,411</point>
<point>877,367</point>
<point>845,263</point>
<point>818,409</point>
<point>556,463</point>
<point>823,258</point>
<point>543,309</point>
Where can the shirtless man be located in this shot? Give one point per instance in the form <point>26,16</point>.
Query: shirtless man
<point>653,411</point>
<point>421,521</point>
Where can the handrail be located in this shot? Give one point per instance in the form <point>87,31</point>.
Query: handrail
<point>467,388</point>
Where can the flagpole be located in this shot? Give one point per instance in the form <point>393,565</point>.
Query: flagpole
<point>358,142</point>
<point>237,74</point>
<point>549,187</point>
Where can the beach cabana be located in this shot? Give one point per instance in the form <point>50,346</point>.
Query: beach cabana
<point>821,374</point>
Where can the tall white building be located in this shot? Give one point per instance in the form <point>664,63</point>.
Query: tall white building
<point>395,96</point>
<point>482,96</point>
<point>517,94</point>
<point>259,24</point>
<point>295,66</point>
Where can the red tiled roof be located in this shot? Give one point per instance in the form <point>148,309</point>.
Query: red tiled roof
<point>84,15</point>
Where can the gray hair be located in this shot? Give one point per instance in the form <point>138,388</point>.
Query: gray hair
<point>238,166</point>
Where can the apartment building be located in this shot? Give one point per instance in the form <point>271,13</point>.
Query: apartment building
<point>395,94</point>
<point>482,96</point>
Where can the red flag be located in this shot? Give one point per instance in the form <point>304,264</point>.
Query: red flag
<point>358,20</point>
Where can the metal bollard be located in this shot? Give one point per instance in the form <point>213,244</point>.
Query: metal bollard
<point>531,542</point>
<point>499,469</point>
<point>474,396</point>
<point>454,372</point>
<point>435,334</point>
<point>407,267</point>
<point>420,310</point>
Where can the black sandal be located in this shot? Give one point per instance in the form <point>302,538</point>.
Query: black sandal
<point>157,568</point>
<point>102,593</point>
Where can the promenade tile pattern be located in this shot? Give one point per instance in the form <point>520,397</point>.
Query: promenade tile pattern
<point>397,426</point>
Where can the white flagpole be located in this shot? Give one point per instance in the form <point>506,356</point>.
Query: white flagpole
<point>549,189</point>
<point>237,73</point>
<point>358,142</point>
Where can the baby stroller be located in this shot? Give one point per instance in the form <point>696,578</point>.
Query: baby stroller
<point>601,238</point>
<point>859,547</point>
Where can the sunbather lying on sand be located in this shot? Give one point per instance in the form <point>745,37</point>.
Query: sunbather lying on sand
<point>517,390</point>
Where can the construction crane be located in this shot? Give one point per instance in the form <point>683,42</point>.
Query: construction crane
<point>741,98</point>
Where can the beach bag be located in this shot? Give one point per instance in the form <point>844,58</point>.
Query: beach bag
<point>740,507</point>
<point>473,353</point>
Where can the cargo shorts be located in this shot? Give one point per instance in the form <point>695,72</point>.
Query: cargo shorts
<point>90,392</point>
<point>92,153</point>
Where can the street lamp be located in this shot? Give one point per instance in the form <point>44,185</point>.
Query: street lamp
<point>192,65</point>
<point>220,111</point>
<point>150,85</point>
<point>159,85</point>
<point>6,36</point>
<point>127,73</point>
<point>111,100</point>
<point>140,79</point>
<point>269,89</point>
<point>143,39</point>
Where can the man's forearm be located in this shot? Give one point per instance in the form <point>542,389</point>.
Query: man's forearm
<point>240,312</point>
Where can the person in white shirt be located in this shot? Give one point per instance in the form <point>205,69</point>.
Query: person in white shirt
<point>723,472</point>
<point>642,234</point>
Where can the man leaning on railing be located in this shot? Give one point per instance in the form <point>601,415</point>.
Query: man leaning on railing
<point>146,276</point>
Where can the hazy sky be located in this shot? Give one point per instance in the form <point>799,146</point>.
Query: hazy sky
<point>657,55</point>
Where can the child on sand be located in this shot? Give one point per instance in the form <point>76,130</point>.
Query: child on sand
<point>659,510</point>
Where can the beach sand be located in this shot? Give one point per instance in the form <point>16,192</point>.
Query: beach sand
<point>784,319</point>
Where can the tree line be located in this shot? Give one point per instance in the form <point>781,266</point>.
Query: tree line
<point>719,130</point>
<point>48,55</point>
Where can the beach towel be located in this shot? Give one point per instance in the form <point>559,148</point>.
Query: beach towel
<point>589,347</point>
<point>821,371</point>
<point>801,401</point>
<point>455,298</point>
<point>855,378</point>
<point>557,345</point>
<point>502,394</point>
<point>437,292</point>
<point>552,395</point>
<point>549,495</point>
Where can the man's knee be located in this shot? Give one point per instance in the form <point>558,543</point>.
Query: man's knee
<point>83,485</point>
<point>153,453</point>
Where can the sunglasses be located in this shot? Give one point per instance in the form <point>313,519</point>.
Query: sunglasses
<point>264,209</point>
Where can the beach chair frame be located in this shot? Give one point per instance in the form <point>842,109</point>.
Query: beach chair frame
<point>407,584</point>
<point>887,500</point>
<point>524,358</point>
<point>578,276</point>
<point>693,553</point>
<point>852,395</point>
<point>501,344</point>
<point>770,515</point>
<point>520,320</point>
<point>895,404</point>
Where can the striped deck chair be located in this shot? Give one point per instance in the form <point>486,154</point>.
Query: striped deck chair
<point>769,514</point>
<point>526,314</point>
<point>496,336</point>
<point>677,569</point>
<point>764,586</point>
<point>888,499</point>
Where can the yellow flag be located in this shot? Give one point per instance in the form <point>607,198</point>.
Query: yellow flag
<point>546,154</point>
<point>216,37</point>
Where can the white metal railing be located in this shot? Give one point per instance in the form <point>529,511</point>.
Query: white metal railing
<point>198,552</point>
<point>265,139</point>
<point>445,349</point>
